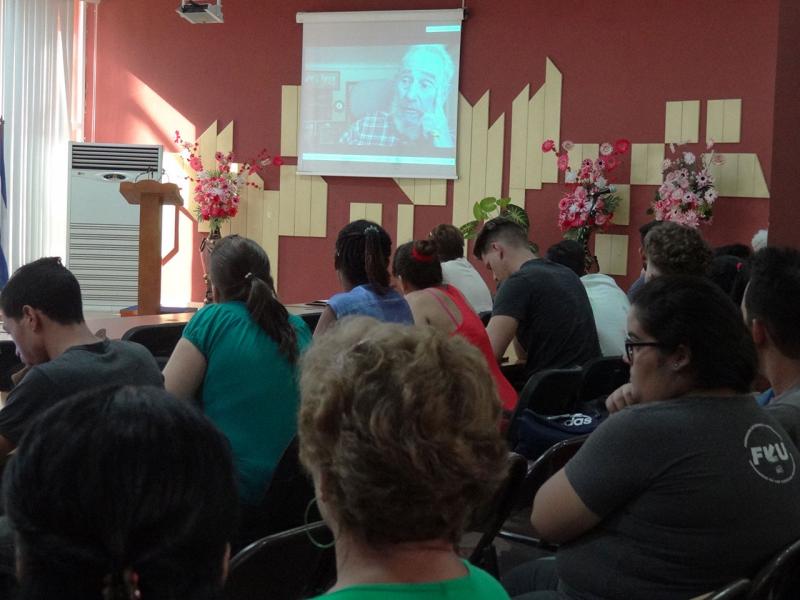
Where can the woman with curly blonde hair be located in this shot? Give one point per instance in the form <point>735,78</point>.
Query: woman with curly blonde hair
<point>398,428</point>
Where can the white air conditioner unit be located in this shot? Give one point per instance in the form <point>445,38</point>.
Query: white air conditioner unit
<point>200,12</point>
<point>103,231</point>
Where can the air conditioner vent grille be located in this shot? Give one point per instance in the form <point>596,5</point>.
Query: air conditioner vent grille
<point>115,157</point>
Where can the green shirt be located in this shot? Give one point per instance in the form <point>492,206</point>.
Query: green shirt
<point>477,585</point>
<point>250,390</point>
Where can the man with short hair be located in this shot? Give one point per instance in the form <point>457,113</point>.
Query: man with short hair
<point>610,305</point>
<point>772,311</point>
<point>417,114</point>
<point>540,305</point>
<point>457,270</point>
<point>42,310</point>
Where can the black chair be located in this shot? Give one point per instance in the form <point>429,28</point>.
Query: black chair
<point>160,339</point>
<point>284,505</point>
<point>735,589</point>
<point>779,579</point>
<point>602,376</point>
<point>283,566</point>
<point>311,320</point>
<point>540,471</point>
<point>548,392</point>
<point>491,519</point>
<point>485,316</point>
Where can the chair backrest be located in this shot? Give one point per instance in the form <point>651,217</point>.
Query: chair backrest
<point>735,589</point>
<point>160,339</point>
<point>602,376</point>
<point>311,320</point>
<point>780,577</point>
<point>491,519</point>
<point>485,316</point>
<point>283,566</point>
<point>545,467</point>
<point>284,505</point>
<point>548,392</point>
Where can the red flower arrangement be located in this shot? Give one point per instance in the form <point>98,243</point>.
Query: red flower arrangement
<point>590,200</point>
<point>216,190</point>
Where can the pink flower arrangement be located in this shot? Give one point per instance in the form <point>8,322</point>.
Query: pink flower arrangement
<point>687,195</point>
<point>216,190</point>
<point>589,202</point>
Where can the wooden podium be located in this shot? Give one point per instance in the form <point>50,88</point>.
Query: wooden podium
<point>150,195</point>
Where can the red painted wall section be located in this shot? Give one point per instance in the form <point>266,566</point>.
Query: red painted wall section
<point>620,61</point>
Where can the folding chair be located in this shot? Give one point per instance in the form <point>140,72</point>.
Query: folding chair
<point>548,392</point>
<point>779,579</point>
<point>602,376</point>
<point>732,591</point>
<point>283,566</point>
<point>538,473</point>
<point>490,520</point>
<point>160,339</point>
<point>285,501</point>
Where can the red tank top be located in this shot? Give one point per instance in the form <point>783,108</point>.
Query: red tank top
<point>472,329</point>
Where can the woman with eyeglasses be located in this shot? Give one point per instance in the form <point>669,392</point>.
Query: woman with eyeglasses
<point>690,488</point>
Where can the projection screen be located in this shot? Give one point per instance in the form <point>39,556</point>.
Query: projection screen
<point>379,95</point>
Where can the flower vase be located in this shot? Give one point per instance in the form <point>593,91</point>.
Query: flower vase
<point>206,248</point>
<point>584,235</point>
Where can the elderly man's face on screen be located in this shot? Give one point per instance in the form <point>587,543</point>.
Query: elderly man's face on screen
<point>420,90</point>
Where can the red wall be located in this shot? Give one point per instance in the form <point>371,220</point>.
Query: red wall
<point>620,61</point>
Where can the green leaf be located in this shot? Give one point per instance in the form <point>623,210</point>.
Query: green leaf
<point>518,215</point>
<point>503,202</point>
<point>469,230</point>
<point>488,204</point>
<point>477,212</point>
<point>571,234</point>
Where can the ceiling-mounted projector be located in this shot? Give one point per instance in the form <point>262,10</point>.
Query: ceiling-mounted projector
<point>200,12</point>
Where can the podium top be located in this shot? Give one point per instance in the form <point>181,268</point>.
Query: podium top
<point>168,192</point>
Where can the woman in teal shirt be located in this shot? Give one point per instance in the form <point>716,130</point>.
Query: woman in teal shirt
<point>241,354</point>
<point>399,429</point>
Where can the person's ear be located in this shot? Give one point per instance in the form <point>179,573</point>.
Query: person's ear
<point>32,318</point>
<point>680,358</point>
<point>759,332</point>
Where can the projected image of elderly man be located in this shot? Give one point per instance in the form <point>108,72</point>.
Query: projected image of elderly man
<point>417,113</point>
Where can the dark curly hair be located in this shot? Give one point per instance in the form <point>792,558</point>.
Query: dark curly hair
<point>400,424</point>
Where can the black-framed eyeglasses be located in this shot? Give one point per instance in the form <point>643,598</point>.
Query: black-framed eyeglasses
<point>631,344</point>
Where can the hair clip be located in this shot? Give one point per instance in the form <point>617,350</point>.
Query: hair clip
<point>371,228</point>
<point>248,276</point>
<point>419,257</point>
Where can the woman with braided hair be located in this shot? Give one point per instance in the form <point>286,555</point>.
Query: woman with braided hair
<point>121,493</point>
<point>238,356</point>
<point>362,264</point>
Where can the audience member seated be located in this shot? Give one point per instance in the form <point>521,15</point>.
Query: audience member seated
<point>672,249</point>
<point>609,303</point>
<point>690,489</point>
<point>741,251</point>
<point>457,270</point>
<point>442,306</point>
<point>540,305</point>
<point>724,271</point>
<point>240,354</point>
<point>43,312</point>
<point>771,309</point>
<point>362,264</point>
<point>121,494</point>
<point>759,240</point>
<point>399,430</point>
<point>643,231</point>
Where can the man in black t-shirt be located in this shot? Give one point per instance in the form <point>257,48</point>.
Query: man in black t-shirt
<point>43,312</point>
<point>540,305</point>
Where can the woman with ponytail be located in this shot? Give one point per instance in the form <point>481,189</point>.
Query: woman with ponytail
<point>362,264</point>
<point>238,356</point>
<point>121,493</point>
<point>442,306</point>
